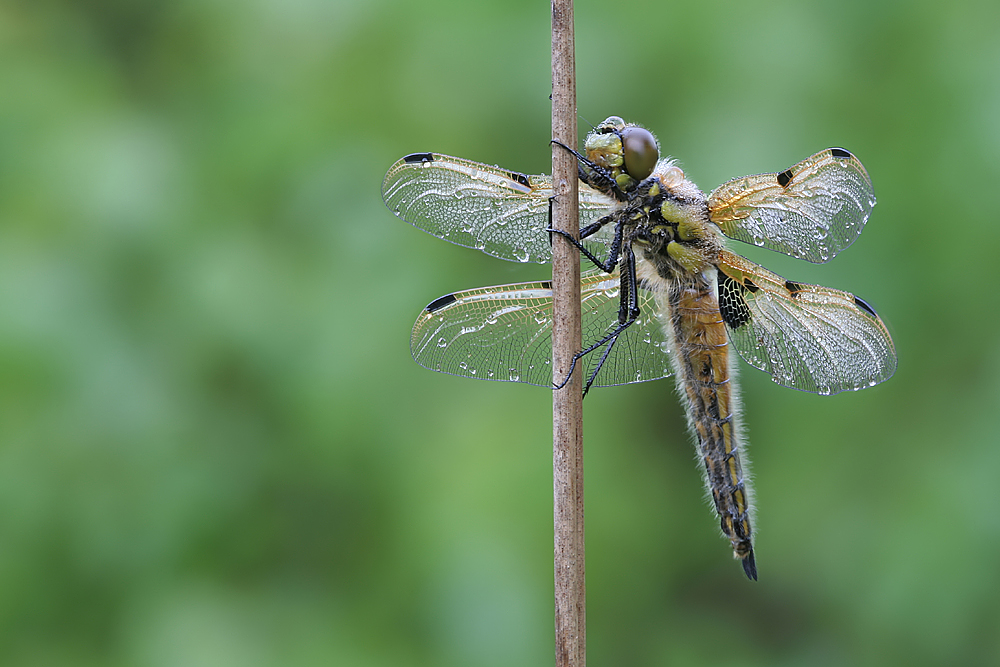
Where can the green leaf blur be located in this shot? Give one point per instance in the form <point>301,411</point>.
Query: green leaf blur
<point>215,449</point>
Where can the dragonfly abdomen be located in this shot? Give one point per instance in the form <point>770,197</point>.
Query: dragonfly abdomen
<point>706,383</point>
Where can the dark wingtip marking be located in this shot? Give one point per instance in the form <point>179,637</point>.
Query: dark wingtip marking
<point>793,288</point>
<point>840,152</point>
<point>418,157</point>
<point>861,303</point>
<point>438,304</point>
<point>732,306</point>
<point>750,566</point>
<point>785,177</point>
<point>520,178</point>
<point>546,284</point>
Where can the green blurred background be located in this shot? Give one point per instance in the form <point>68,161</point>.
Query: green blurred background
<point>216,450</point>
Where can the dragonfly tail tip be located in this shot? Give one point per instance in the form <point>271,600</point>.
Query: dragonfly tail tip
<point>750,566</point>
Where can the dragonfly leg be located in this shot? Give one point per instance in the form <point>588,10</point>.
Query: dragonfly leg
<point>607,265</point>
<point>609,340</point>
<point>573,151</point>
<point>628,313</point>
<point>584,233</point>
<point>600,364</point>
<point>593,175</point>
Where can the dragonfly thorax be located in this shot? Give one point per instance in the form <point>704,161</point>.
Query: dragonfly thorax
<point>669,224</point>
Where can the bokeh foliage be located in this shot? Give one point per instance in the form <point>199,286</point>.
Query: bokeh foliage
<point>215,449</point>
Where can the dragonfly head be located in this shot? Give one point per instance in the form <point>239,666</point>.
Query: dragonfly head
<point>627,152</point>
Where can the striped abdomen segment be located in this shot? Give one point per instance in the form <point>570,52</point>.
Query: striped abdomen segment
<point>703,378</point>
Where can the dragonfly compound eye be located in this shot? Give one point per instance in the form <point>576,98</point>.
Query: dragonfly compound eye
<point>641,152</point>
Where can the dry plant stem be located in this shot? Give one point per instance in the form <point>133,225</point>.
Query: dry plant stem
<point>567,408</point>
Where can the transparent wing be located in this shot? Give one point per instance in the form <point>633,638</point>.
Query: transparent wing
<point>811,211</point>
<point>503,213</point>
<point>805,336</point>
<point>504,333</point>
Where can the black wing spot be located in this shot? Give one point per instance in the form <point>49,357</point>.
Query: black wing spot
<point>785,177</point>
<point>841,153</point>
<point>793,288</point>
<point>732,304</point>
<point>519,177</point>
<point>750,286</point>
<point>546,284</point>
<point>863,305</point>
<point>438,304</point>
<point>418,157</point>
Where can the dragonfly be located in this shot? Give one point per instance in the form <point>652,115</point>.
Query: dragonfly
<point>665,297</point>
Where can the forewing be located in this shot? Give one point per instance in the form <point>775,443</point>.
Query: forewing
<point>504,333</point>
<point>805,336</point>
<point>812,210</point>
<point>503,213</point>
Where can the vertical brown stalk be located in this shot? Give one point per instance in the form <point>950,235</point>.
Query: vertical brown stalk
<point>567,408</point>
